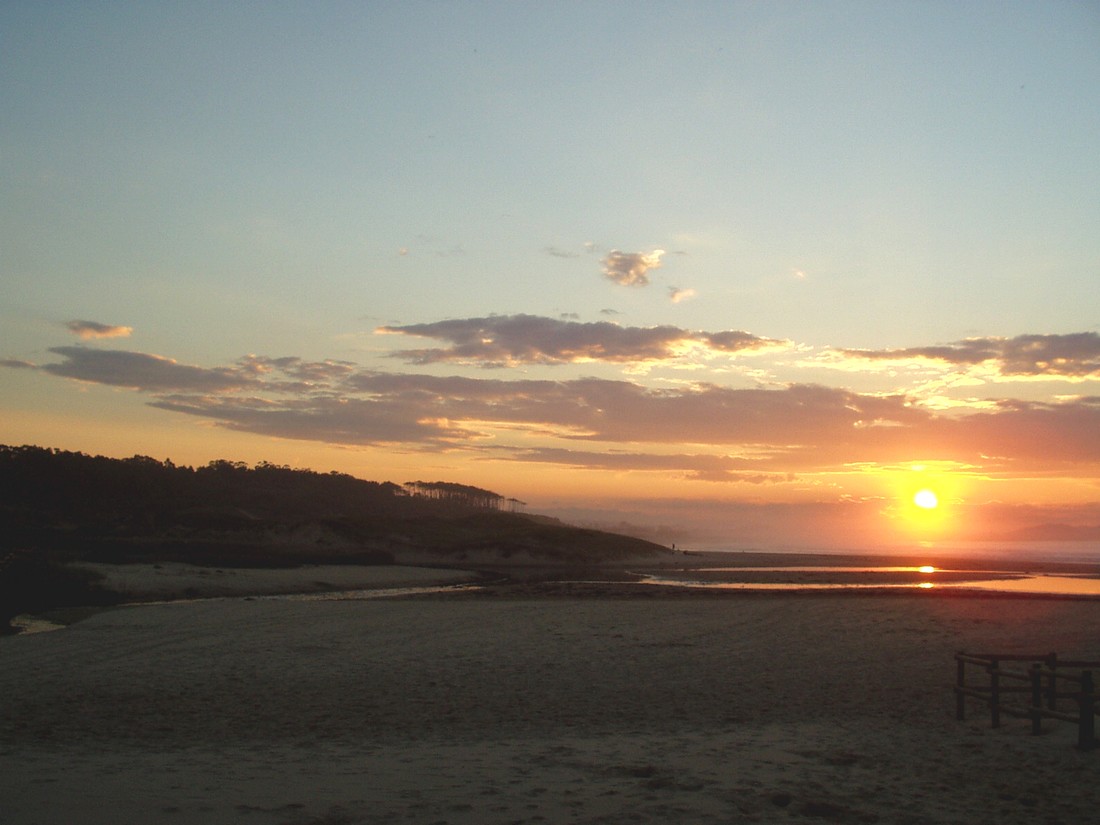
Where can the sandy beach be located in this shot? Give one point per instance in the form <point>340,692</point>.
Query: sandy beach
<point>535,708</point>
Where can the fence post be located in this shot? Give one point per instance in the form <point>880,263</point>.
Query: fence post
<point>1086,731</point>
<point>1036,709</point>
<point>1052,681</point>
<point>994,693</point>
<point>960,683</point>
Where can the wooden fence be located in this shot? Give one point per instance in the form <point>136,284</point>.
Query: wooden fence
<point>1041,691</point>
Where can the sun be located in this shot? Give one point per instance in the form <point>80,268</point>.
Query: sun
<point>924,505</point>
<point>926,499</point>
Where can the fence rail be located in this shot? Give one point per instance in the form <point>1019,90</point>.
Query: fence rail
<point>1048,684</point>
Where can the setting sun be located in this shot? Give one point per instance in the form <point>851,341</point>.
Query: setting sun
<point>926,499</point>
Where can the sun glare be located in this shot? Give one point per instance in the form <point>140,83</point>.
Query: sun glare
<point>926,499</point>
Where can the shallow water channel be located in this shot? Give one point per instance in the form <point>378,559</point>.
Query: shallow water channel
<point>878,578</point>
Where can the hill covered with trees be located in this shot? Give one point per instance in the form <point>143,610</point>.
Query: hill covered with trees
<point>57,507</point>
<point>107,509</point>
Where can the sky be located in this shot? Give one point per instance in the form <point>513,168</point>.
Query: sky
<point>737,273</point>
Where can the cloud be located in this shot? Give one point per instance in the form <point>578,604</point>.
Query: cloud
<point>1035,434</point>
<point>326,419</point>
<point>141,371</point>
<point>308,373</point>
<point>802,427</point>
<point>381,407</point>
<point>738,434</point>
<point>502,340</point>
<point>737,341</point>
<point>697,467</point>
<point>150,373</point>
<point>676,294</point>
<point>561,253</point>
<point>1075,355</point>
<point>630,268</point>
<point>90,329</point>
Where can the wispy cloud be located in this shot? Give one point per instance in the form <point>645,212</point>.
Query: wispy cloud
<point>88,330</point>
<point>631,268</point>
<point>1076,355</point>
<point>694,466</point>
<point>502,340</point>
<point>557,252</point>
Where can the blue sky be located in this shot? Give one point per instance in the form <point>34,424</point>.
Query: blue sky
<point>839,182</point>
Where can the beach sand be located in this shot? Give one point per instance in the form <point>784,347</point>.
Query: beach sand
<point>536,709</point>
<point>173,580</point>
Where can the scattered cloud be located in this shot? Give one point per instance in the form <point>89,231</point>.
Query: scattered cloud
<point>631,268</point>
<point>505,340</point>
<point>676,294</point>
<point>1075,355</point>
<point>561,253</point>
<point>88,330</point>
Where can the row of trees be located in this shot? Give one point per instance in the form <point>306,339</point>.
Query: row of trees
<point>464,495</point>
<point>144,493</point>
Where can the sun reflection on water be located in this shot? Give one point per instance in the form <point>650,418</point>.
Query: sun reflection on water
<point>841,578</point>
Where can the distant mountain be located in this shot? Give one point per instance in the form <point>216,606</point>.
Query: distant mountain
<point>1051,532</point>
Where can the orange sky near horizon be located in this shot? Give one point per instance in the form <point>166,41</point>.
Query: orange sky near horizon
<point>878,500</point>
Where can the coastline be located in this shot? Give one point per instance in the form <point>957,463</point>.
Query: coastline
<point>755,573</point>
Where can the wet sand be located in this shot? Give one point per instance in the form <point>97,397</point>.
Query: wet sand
<point>590,706</point>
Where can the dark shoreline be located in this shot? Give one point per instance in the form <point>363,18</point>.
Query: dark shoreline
<point>503,580</point>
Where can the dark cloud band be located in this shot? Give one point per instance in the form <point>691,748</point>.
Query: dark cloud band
<point>503,340</point>
<point>760,432</point>
<point>1075,355</point>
